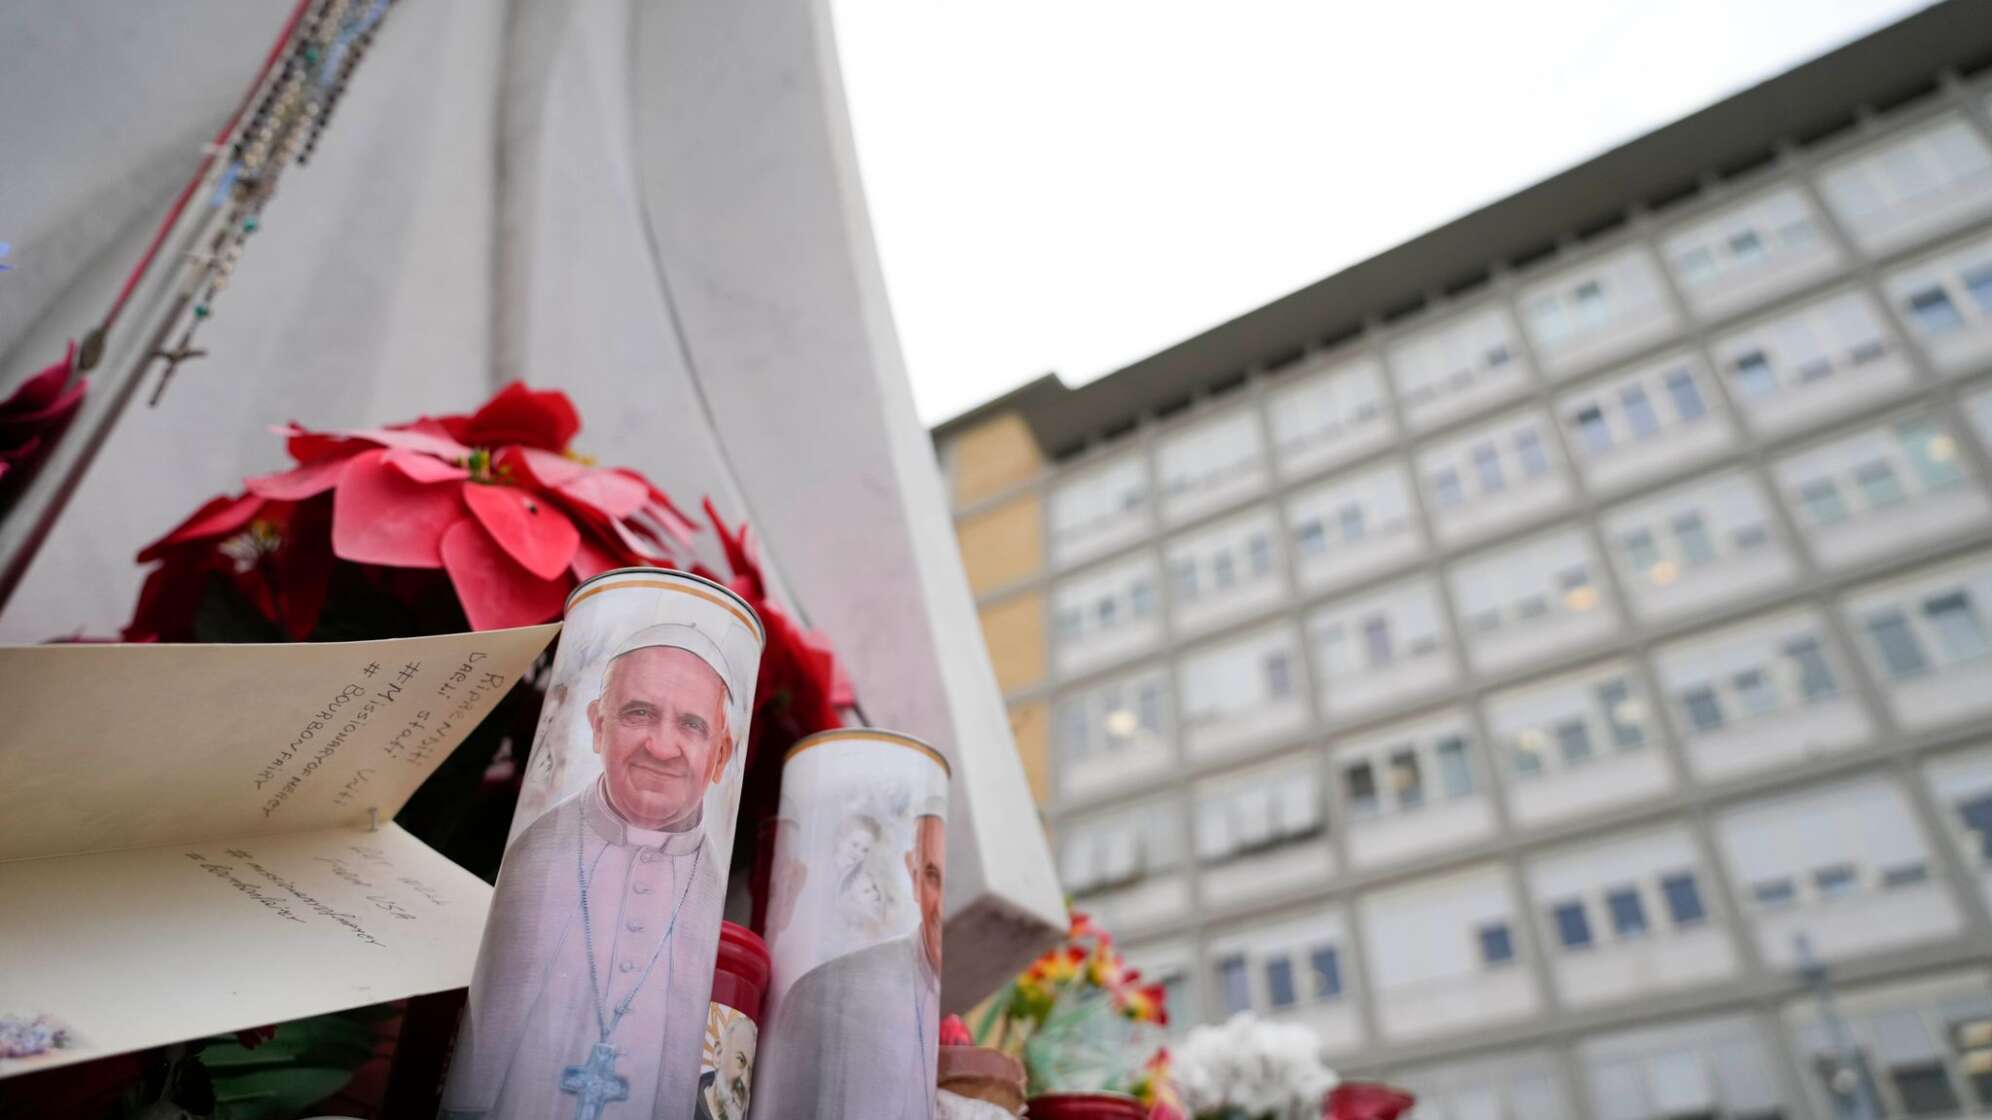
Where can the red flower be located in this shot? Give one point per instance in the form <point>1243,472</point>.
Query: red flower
<point>1366,1100</point>
<point>954,1032</point>
<point>34,417</point>
<point>493,501</point>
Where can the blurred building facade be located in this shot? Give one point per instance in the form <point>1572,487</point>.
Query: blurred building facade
<point>1517,655</point>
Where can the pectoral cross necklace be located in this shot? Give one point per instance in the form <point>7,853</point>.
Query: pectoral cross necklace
<point>595,1083</point>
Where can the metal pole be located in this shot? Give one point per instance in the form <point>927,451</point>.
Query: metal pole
<point>1850,1087</point>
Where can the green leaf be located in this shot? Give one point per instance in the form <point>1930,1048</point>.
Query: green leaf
<point>277,1094</point>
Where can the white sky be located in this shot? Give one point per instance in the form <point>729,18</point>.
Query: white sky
<point>1070,185</point>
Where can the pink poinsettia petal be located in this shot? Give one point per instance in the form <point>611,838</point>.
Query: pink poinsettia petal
<point>218,518</point>
<point>299,483</point>
<point>591,560</point>
<point>611,493</point>
<point>425,468</point>
<point>530,529</point>
<point>494,591</point>
<point>413,439</point>
<point>381,516</point>
<point>642,546</point>
<point>614,494</point>
<point>548,468</point>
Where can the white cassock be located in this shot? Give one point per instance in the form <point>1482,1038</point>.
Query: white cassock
<point>529,1018</point>
<point>854,1039</point>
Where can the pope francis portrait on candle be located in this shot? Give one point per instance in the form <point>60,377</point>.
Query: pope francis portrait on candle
<point>589,997</point>
<point>854,1038</point>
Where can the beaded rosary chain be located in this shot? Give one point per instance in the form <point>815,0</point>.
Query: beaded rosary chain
<point>283,126</point>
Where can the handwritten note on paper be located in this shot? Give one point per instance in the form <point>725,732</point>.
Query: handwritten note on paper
<point>110,747</point>
<point>133,949</point>
<point>186,840</point>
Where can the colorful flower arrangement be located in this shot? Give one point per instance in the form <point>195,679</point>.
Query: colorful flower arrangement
<point>1081,1020</point>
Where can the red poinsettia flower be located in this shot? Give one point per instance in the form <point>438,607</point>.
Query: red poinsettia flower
<point>494,500</point>
<point>1366,1100</point>
<point>34,417</point>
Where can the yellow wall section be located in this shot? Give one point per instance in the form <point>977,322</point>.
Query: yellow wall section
<point>1014,632</point>
<point>1002,545</point>
<point>1030,727</point>
<point>992,457</point>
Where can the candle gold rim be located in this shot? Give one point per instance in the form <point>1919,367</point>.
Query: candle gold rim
<point>874,734</point>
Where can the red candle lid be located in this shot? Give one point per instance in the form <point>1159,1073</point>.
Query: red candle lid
<point>740,980</point>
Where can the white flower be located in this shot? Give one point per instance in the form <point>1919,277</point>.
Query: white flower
<point>1270,1071</point>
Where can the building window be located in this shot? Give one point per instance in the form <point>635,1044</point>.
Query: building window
<point>1312,538</point>
<point>1815,679</point>
<point>1957,625</point>
<point>1774,894</point>
<point>1686,395</point>
<point>1259,554</point>
<point>1621,715</point>
<point>1977,817</point>
<point>1074,729</point>
<point>1684,901</point>
<point>1905,875</point>
<point>1753,687</point>
<point>1823,503</point>
<point>1640,551</point>
<point>1446,488</point>
<point>1934,312</point>
<point>1880,488</point>
<point>1753,375</point>
<point>1186,579</point>
<point>1924,1088</point>
<point>1528,448</point>
<point>1405,779</point>
<point>1573,927</point>
<point>1496,945</point>
<point>1141,599</point>
<point>1837,881</point>
<point>1327,969</point>
<point>1900,653</point>
<point>1360,779</point>
<point>1351,521</point>
<point>1978,281</point>
<point>1279,675</point>
<point>1487,467</point>
<point>1376,641</point>
<point>1628,912</point>
<point>1704,714</point>
<point>1070,621</point>
<point>1222,574</point>
<point>1933,453</point>
<point>1573,741</point>
<point>1279,982</point>
<point>1233,985</point>
<point>1592,431</point>
<point>1639,415</point>
<point>1455,775</point>
<point>1692,533</point>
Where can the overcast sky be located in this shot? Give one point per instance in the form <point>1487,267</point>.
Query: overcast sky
<point>1069,185</point>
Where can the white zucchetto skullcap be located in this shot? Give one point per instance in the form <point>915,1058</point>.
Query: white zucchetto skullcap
<point>678,635</point>
<point>934,805</point>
